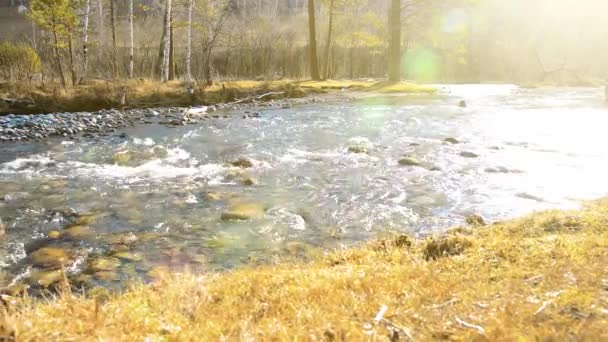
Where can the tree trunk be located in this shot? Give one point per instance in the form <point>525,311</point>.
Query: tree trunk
<point>171,50</point>
<point>164,67</point>
<point>189,44</point>
<point>102,30</point>
<point>72,63</point>
<point>85,38</point>
<point>394,53</point>
<point>312,43</point>
<point>131,40</point>
<point>328,44</point>
<point>114,47</point>
<point>57,57</point>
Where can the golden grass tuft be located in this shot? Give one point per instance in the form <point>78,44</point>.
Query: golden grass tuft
<point>544,276</point>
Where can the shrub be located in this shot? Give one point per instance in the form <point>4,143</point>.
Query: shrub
<point>18,62</point>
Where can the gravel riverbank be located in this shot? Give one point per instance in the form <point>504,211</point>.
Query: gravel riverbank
<point>40,126</point>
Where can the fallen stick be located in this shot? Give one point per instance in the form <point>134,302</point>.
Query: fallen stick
<point>471,326</point>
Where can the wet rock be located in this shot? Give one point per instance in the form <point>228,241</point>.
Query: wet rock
<point>249,181</point>
<point>245,211</point>
<point>462,104</point>
<point>214,196</point>
<point>81,279</point>
<point>2,229</point>
<point>452,141</point>
<point>466,154</point>
<point>128,256</point>
<point>15,196</point>
<point>528,196</point>
<point>78,233</point>
<point>46,278</point>
<point>242,163</point>
<point>475,220</point>
<point>408,161</point>
<point>122,238</point>
<point>501,169</point>
<point>53,234</point>
<point>445,247</point>
<point>357,150</point>
<point>122,158</point>
<point>50,257</point>
<point>103,264</point>
<point>106,276</point>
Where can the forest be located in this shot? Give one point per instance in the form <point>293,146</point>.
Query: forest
<point>457,41</point>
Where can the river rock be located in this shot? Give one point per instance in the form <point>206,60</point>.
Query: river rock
<point>106,276</point>
<point>50,257</point>
<point>244,211</point>
<point>466,154</point>
<point>78,232</point>
<point>128,256</point>
<point>475,220</point>
<point>408,161</point>
<point>243,163</point>
<point>122,158</point>
<point>46,278</point>
<point>103,264</point>
<point>2,229</point>
<point>357,150</point>
<point>53,234</point>
<point>452,141</point>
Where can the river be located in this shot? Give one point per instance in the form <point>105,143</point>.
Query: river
<point>325,175</point>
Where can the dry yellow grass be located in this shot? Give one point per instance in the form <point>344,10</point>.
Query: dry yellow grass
<point>544,276</point>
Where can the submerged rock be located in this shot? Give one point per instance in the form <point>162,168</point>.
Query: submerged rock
<point>245,211</point>
<point>50,257</point>
<point>475,220</point>
<point>122,158</point>
<point>46,278</point>
<point>103,264</point>
<point>408,161</point>
<point>2,228</point>
<point>452,141</point>
<point>78,233</point>
<point>467,154</point>
<point>106,276</point>
<point>128,256</point>
<point>242,163</point>
<point>357,150</point>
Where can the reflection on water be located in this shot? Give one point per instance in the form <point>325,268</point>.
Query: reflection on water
<point>321,175</point>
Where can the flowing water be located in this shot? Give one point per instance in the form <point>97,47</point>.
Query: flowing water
<point>156,195</point>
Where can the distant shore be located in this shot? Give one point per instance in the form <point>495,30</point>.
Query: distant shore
<point>97,108</point>
<point>539,277</point>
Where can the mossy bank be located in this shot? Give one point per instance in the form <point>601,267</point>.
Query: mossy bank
<point>541,276</point>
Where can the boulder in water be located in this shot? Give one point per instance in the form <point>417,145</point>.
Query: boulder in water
<point>243,163</point>
<point>46,278</point>
<point>462,104</point>
<point>122,158</point>
<point>475,220</point>
<point>50,257</point>
<point>357,150</point>
<point>408,161</point>
<point>78,232</point>
<point>103,264</point>
<point>466,154</point>
<point>452,141</point>
<point>243,211</point>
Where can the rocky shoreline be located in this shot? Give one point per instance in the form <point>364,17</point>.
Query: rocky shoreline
<point>24,127</point>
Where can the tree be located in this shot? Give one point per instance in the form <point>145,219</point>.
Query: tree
<point>165,50</point>
<point>131,39</point>
<point>188,74</point>
<point>114,47</point>
<point>59,18</point>
<point>328,44</point>
<point>85,37</point>
<point>312,42</point>
<point>394,50</point>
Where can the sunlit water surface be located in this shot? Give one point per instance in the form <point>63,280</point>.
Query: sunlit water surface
<point>552,142</point>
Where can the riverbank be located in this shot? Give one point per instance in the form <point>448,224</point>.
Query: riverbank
<point>93,109</point>
<point>541,276</point>
<point>96,95</point>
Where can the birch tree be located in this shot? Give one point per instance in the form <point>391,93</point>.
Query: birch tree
<point>328,44</point>
<point>164,67</point>
<point>85,37</point>
<point>131,39</point>
<point>188,71</point>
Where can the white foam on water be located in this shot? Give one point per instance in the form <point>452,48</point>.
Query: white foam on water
<point>144,142</point>
<point>27,165</point>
